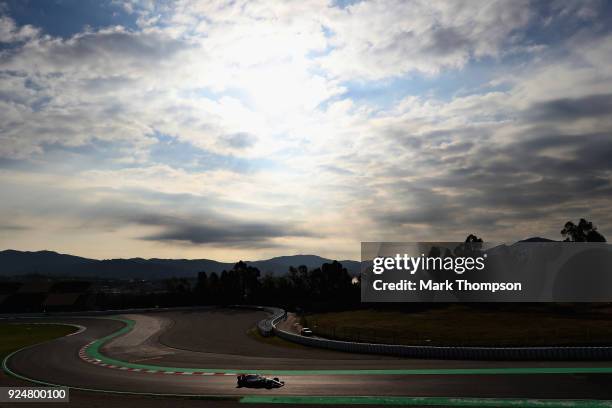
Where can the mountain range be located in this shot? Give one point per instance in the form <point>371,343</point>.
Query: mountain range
<point>15,263</point>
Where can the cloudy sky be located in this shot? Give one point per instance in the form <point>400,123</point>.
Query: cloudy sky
<point>249,129</point>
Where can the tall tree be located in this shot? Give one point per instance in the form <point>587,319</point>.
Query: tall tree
<point>585,231</point>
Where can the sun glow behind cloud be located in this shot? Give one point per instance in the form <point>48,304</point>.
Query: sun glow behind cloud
<point>302,127</point>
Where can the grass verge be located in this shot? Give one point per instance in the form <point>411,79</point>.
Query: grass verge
<point>14,336</point>
<point>464,326</point>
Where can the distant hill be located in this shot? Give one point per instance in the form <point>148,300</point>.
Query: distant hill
<point>13,263</point>
<point>18,262</point>
<point>537,239</point>
<point>282,263</point>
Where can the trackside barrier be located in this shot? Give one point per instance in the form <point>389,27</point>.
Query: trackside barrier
<point>266,326</point>
<point>446,353</point>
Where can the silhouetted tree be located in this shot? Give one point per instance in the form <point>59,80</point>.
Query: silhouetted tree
<point>470,247</point>
<point>472,238</point>
<point>213,288</point>
<point>202,285</point>
<point>585,231</point>
<point>248,280</point>
<point>230,286</point>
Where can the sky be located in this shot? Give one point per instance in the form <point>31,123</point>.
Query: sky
<point>252,129</point>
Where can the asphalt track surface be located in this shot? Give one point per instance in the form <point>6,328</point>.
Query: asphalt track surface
<point>218,339</point>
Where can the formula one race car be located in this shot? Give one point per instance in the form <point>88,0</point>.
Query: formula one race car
<point>258,381</point>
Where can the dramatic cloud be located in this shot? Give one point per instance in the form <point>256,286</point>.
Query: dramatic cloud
<point>571,109</point>
<point>247,129</point>
<point>378,39</point>
<point>230,234</point>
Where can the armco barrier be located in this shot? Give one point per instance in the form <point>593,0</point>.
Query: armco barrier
<point>266,326</point>
<point>446,353</point>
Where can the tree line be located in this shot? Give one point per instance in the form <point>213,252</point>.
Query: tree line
<point>327,286</point>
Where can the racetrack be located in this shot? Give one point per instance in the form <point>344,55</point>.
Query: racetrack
<point>217,339</point>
